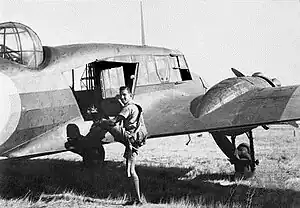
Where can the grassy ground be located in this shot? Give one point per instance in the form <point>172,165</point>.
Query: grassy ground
<point>171,175</point>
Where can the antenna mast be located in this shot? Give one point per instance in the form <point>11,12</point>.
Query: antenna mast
<point>142,25</point>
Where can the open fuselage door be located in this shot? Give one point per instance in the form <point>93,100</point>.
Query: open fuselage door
<point>100,83</point>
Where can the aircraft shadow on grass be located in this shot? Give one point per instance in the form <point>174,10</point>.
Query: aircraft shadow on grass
<point>31,178</point>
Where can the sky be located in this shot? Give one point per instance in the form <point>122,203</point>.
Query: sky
<point>215,35</point>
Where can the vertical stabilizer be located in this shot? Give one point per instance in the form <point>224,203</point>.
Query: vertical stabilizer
<point>142,25</point>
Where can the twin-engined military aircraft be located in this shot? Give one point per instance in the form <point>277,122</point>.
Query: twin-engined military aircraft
<point>41,96</point>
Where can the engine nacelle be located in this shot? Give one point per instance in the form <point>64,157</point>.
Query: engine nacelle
<point>224,92</point>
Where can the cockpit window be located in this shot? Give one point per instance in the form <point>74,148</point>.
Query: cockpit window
<point>179,62</point>
<point>20,44</point>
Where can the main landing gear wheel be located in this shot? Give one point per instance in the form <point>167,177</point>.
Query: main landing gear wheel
<point>242,157</point>
<point>242,165</point>
<point>245,164</point>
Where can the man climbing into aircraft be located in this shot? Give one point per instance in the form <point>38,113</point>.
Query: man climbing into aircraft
<point>127,128</point>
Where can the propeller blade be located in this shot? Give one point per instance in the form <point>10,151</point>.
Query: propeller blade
<point>237,73</point>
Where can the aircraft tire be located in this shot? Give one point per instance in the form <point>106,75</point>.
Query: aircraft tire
<point>244,151</point>
<point>242,168</point>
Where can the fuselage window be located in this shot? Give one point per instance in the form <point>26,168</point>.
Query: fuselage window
<point>143,72</point>
<point>163,68</point>
<point>153,77</point>
<point>147,74</point>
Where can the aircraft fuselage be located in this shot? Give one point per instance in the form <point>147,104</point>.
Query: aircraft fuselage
<point>40,103</point>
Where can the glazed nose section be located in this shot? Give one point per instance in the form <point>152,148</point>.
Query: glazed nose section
<point>10,107</point>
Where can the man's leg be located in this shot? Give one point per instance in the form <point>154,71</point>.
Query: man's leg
<point>132,175</point>
<point>119,134</point>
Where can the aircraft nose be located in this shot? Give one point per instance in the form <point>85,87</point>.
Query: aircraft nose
<point>10,107</point>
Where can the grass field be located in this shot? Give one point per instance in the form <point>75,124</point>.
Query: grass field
<point>171,175</point>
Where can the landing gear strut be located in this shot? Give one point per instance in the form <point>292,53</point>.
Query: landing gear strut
<point>242,157</point>
<point>252,153</point>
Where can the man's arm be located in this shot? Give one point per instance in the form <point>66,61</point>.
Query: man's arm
<point>116,120</point>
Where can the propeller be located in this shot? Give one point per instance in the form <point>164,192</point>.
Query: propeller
<point>237,72</point>
<point>274,82</point>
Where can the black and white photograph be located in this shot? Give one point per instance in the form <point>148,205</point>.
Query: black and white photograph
<point>140,103</point>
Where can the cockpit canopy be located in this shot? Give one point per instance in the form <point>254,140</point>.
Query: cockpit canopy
<point>20,44</point>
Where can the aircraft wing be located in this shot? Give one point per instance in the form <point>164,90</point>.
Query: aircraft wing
<point>256,107</point>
